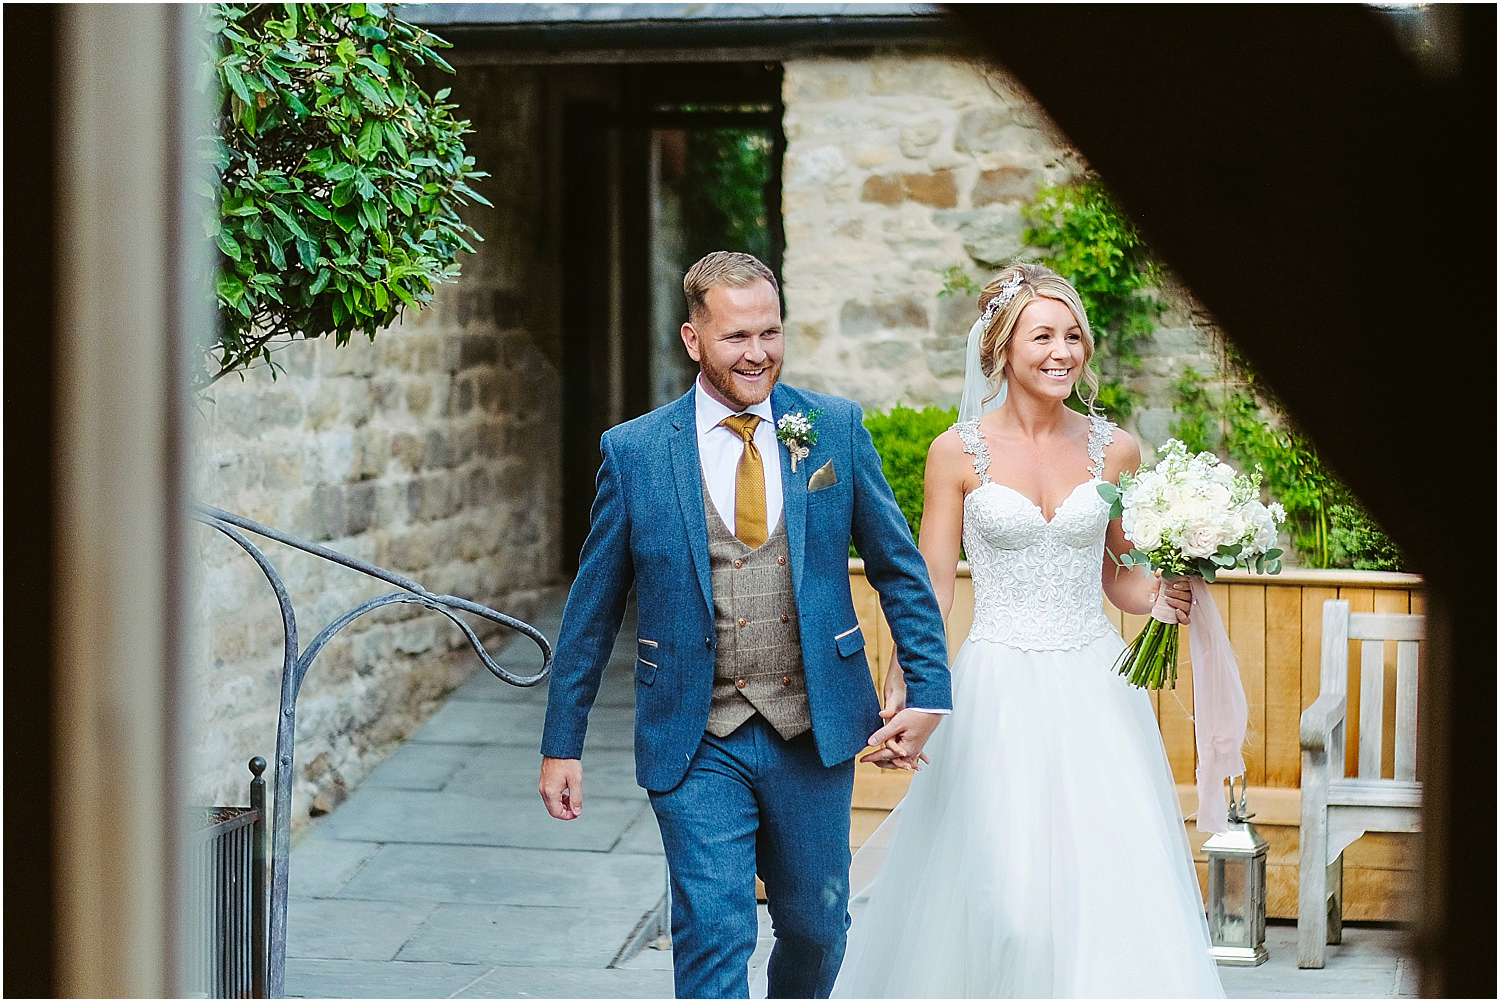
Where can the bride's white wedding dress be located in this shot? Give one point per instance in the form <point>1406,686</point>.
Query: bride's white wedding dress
<point>1042,852</point>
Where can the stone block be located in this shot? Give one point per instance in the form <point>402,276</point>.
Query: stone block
<point>904,77</point>
<point>806,336</point>
<point>477,350</point>
<point>418,397</point>
<point>359,508</point>
<point>408,450</point>
<point>283,467</point>
<point>808,82</point>
<point>461,398</point>
<point>935,189</point>
<point>956,313</point>
<point>371,450</point>
<point>357,403</point>
<point>1004,184</point>
<point>437,453</point>
<point>918,138</point>
<point>888,354</point>
<point>333,457</point>
<point>882,190</point>
<point>323,515</point>
<point>853,229</point>
<point>322,407</point>
<point>818,165</point>
<point>982,129</point>
<point>991,235</point>
<point>857,317</point>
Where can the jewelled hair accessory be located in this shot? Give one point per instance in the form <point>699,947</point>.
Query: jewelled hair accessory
<point>1008,290</point>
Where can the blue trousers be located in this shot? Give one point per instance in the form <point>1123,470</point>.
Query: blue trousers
<point>754,803</point>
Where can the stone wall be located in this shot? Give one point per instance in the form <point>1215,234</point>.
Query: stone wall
<point>897,169</point>
<point>432,452</point>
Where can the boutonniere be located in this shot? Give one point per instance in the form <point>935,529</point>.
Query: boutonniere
<point>796,431</point>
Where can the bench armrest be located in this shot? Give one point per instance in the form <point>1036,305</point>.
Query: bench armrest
<point>1319,721</point>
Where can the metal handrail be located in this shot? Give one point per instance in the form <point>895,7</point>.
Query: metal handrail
<point>294,668</point>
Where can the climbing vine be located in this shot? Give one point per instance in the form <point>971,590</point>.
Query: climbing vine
<point>1079,232</point>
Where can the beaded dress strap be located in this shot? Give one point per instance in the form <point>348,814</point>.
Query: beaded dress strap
<point>973,442</point>
<point>1101,431</point>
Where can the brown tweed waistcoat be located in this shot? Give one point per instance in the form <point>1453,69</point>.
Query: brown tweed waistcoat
<point>758,655</point>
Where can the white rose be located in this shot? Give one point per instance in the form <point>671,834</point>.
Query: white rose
<point>1202,532</point>
<point>1145,532</point>
<point>1216,494</point>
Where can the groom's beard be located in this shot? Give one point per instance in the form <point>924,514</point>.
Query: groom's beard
<point>733,389</point>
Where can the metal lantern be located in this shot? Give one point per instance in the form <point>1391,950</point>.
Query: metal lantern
<point>1237,890</point>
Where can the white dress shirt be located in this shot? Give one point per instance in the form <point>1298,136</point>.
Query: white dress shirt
<point>719,451</point>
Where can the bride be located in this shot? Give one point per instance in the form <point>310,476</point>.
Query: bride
<point>1042,852</point>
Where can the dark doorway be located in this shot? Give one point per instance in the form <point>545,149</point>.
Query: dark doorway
<point>686,160</point>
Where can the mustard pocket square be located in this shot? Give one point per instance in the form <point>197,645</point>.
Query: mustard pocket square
<point>822,477</point>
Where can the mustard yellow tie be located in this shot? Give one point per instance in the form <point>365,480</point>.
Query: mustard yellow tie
<point>749,483</point>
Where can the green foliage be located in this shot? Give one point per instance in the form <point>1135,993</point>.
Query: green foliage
<point>338,177</point>
<point>957,282</point>
<point>1082,235</point>
<point>724,192</point>
<point>902,436</point>
<point>1327,525</point>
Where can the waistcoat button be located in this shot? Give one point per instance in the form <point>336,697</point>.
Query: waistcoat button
<point>739,683</point>
<point>786,680</point>
<point>785,618</point>
<point>738,564</point>
<point>781,561</point>
<point>743,621</point>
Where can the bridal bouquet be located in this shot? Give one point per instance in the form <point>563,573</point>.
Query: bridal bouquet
<point>1189,516</point>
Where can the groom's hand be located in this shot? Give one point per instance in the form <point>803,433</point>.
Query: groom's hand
<point>899,743</point>
<point>561,787</point>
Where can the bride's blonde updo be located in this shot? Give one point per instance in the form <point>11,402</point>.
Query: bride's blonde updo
<point>1030,281</point>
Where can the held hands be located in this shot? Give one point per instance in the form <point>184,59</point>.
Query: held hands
<point>1173,602</point>
<point>561,787</point>
<point>898,745</point>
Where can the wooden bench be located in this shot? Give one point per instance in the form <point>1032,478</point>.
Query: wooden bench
<point>1337,809</point>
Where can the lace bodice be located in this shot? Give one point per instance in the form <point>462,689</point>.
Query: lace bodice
<point>1036,583</point>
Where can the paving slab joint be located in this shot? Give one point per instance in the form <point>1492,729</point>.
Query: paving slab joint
<point>649,931</point>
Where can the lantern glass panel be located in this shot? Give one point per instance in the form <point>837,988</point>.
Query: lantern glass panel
<point>1233,904</point>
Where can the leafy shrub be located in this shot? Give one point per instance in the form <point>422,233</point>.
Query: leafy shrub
<point>1328,528</point>
<point>1084,237</point>
<point>902,437</point>
<point>338,177</point>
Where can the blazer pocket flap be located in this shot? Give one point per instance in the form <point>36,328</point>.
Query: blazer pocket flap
<point>645,671</point>
<point>822,477</point>
<point>850,642</point>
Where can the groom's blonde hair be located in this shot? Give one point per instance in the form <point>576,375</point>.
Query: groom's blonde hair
<point>1036,282</point>
<point>721,268</point>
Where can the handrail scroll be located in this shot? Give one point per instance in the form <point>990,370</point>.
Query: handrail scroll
<point>295,664</point>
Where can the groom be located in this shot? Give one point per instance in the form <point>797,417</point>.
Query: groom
<point>752,690</point>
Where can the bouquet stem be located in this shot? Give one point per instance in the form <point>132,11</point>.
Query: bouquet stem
<point>1150,661</point>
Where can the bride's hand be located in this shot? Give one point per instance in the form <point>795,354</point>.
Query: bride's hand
<point>895,692</point>
<point>1174,600</point>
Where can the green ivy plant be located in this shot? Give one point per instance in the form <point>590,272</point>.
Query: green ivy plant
<point>1081,234</point>
<point>1328,526</point>
<point>339,178</point>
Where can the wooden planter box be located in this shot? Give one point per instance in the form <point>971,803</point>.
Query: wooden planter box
<point>1275,626</point>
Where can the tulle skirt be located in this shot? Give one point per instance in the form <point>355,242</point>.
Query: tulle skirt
<point>1040,854</point>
